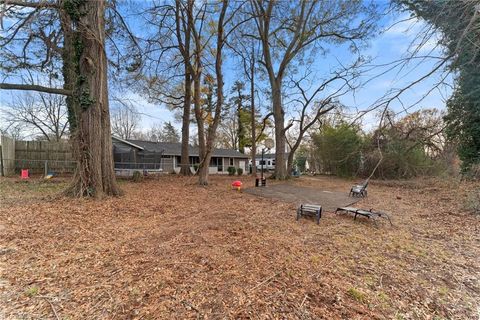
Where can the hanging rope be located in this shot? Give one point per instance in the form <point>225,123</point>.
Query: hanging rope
<point>380,127</point>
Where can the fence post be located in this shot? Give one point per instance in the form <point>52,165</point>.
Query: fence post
<point>46,168</point>
<point>1,162</point>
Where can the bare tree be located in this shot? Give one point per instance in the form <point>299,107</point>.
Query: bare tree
<point>245,48</point>
<point>168,75</point>
<point>227,136</point>
<point>13,130</point>
<point>287,29</point>
<point>41,114</point>
<point>224,27</point>
<point>309,107</point>
<point>452,26</point>
<point>206,139</point>
<point>125,120</point>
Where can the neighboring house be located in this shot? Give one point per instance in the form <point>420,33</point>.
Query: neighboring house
<point>268,161</point>
<point>162,156</point>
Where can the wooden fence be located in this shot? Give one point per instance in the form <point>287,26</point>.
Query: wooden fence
<point>37,156</point>
<point>7,156</point>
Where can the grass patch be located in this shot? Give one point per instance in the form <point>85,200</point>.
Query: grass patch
<point>443,291</point>
<point>357,295</point>
<point>32,291</point>
<point>315,259</point>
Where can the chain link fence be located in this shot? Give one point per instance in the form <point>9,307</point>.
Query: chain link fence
<point>44,167</point>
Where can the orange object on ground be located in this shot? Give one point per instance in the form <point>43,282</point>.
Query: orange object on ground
<point>25,174</point>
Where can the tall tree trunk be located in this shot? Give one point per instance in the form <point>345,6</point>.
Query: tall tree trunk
<point>203,169</point>
<point>293,149</point>
<point>69,71</point>
<point>187,106</point>
<point>240,129</point>
<point>202,144</point>
<point>252,98</point>
<point>279,119</point>
<point>185,162</point>
<point>92,141</point>
<point>290,163</point>
<point>206,155</point>
<point>197,100</point>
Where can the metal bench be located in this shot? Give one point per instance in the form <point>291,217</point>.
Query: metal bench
<point>370,214</point>
<point>310,210</point>
<point>359,190</point>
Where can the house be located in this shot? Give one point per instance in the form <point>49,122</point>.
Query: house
<point>132,155</point>
<point>268,161</point>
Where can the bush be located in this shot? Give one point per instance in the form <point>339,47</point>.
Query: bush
<point>239,171</point>
<point>137,176</point>
<point>338,149</point>
<point>231,171</point>
<point>402,159</point>
<point>408,147</point>
<point>473,172</point>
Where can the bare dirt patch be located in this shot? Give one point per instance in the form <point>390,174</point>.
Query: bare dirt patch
<point>171,250</point>
<point>293,193</point>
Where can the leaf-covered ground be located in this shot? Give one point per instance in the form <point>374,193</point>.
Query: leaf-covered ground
<point>169,249</point>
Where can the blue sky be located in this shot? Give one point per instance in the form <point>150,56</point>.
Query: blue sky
<point>389,46</point>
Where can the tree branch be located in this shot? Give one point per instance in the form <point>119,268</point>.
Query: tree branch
<point>33,87</point>
<point>21,3</point>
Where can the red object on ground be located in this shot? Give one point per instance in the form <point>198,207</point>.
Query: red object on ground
<point>24,174</point>
<point>237,184</point>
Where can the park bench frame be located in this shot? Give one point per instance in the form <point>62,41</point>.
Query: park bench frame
<point>310,210</point>
<point>370,214</point>
<point>359,190</point>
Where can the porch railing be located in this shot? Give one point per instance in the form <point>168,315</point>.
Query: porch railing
<point>139,166</point>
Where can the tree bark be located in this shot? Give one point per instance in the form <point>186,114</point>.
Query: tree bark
<point>290,163</point>
<point>197,100</point>
<point>252,98</point>
<point>294,148</point>
<point>206,154</point>
<point>184,47</point>
<point>185,162</point>
<point>280,172</point>
<point>264,16</point>
<point>92,141</point>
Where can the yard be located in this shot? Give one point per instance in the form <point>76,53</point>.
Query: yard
<point>169,249</point>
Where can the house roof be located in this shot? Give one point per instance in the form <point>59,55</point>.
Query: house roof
<point>128,143</point>
<point>175,149</point>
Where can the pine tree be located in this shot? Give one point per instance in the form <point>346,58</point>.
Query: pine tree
<point>169,133</point>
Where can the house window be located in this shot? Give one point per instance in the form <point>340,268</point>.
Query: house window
<point>213,162</point>
<point>231,162</point>
<point>220,165</point>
